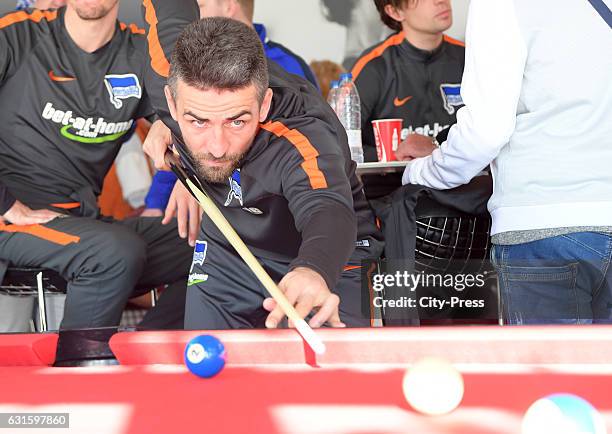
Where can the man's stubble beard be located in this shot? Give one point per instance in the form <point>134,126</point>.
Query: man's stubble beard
<point>211,174</point>
<point>89,14</point>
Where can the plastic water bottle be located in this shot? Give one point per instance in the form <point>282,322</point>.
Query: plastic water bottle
<point>349,112</point>
<point>332,96</point>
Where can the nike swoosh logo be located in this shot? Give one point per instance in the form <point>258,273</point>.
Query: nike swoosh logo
<point>400,102</point>
<point>54,77</point>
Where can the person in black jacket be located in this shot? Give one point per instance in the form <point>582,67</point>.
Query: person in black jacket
<point>58,138</point>
<point>414,75</point>
<point>273,155</point>
<point>241,10</point>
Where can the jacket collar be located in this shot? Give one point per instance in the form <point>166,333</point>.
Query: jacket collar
<point>421,55</point>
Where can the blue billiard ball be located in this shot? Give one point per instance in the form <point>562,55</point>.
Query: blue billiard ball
<point>205,356</point>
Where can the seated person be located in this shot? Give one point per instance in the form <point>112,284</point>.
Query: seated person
<point>271,152</point>
<point>414,75</point>
<point>241,10</point>
<point>58,137</point>
<point>131,169</point>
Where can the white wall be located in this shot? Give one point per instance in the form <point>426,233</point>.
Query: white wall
<point>460,11</point>
<point>301,26</point>
<point>298,24</point>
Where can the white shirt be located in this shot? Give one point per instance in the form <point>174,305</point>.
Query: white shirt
<point>537,89</point>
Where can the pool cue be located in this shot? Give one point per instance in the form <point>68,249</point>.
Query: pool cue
<point>234,239</point>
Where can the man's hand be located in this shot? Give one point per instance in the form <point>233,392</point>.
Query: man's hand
<point>415,146</point>
<point>306,290</point>
<point>156,143</point>
<point>187,211</point>
<point>21,215</point>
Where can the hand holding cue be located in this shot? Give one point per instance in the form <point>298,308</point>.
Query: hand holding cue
<point>234,239</point>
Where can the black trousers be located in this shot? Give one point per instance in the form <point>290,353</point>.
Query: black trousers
<point>104,261</point>
<point>223,293</point>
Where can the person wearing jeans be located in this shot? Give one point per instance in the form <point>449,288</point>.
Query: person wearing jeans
<point>562,279</point>
<point>538,112</point>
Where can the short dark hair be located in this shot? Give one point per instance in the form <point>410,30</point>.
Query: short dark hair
<point>219,53</point>
<point>398,4</point>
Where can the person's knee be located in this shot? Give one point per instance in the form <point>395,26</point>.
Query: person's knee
<point>116,253</point>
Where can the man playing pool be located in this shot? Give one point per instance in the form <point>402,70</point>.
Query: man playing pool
<point>271,152</point>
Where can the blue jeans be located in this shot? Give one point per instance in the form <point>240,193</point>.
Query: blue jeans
<point>559,280</point>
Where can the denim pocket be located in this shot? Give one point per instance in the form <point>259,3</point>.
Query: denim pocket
<point>544,294</point>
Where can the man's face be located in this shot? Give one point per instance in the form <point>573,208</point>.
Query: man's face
<point>92,9</point>
<point>428,16</point>
<point>218,126</point>
<point>213,8</point>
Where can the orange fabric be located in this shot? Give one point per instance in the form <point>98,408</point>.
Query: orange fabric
<point>352,267</point>
<point>54,77</point>
<point>43,232</point>
<point>71,205</point>
<point>400,102</point>
<point>142,130</point>
<point>453,41</point>
<point>111,201</point>
<point>159,63</point>
<point>20,16</point>
<point>132,28</point>
<point>306,150</point>
<point>377,52</point>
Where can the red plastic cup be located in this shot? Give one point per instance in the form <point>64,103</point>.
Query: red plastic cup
<point>388,135</point>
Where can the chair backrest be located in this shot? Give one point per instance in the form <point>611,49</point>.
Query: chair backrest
<point>448,240</point>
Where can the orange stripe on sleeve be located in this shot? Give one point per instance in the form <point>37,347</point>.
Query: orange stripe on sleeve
<point>352,267</point>
<point>69,205</point>
<point>20,16</point>
<point>132,28</point>
<point>453,41</point>
<point>306,150</point>
<point>42,232</point>
<point>377,52</point>
<point>159,63</point>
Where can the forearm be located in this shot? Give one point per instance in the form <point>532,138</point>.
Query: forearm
<point>328,240</point>
<point>491,89</point>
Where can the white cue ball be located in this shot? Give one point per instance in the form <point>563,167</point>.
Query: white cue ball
<point>433,386</point>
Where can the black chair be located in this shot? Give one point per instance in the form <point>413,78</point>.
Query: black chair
<point>439,233</point>
<point>448,241</point>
